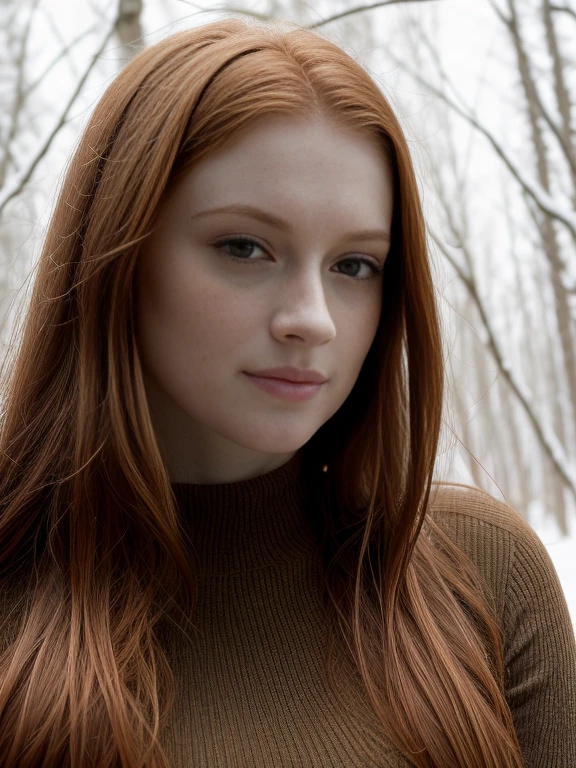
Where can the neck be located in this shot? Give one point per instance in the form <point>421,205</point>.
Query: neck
<point>248,524</point>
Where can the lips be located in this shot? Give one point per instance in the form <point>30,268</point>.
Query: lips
<point>292,374</point>
<point>284,389</point>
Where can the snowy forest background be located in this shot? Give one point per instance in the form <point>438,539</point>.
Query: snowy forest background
<point>485,91</point>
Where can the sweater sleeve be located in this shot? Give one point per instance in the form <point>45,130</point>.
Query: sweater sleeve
<point>539,655</point>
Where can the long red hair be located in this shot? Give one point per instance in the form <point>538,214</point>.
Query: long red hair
<point>92,555</point>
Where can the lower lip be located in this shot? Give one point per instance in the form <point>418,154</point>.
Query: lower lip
<point>286,390</point>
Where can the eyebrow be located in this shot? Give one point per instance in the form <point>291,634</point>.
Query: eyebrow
<point>275,221</point>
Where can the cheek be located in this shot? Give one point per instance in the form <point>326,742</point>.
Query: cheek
<point>358,331</point>
<point>185,323</point>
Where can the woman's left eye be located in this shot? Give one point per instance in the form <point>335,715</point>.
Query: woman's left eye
<point>244,246</point>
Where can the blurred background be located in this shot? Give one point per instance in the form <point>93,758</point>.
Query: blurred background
<point>485,91</point>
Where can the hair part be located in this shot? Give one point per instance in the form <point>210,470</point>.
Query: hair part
<point>91,547</point>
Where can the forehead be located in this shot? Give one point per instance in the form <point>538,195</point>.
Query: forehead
<point>296,166</point>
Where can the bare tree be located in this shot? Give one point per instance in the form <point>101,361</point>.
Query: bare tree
<point>129,22</point>
<point>548,197</point>
<point>15,176</point>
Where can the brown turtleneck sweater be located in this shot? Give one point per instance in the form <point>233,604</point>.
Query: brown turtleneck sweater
<point>251,687</point>
<point>251,690</point>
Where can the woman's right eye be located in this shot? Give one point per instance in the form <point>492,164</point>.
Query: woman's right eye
<point>242,245</point>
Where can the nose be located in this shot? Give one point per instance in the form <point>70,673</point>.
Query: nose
<point>302,311</point>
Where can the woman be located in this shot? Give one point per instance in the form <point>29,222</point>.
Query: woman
<point>204,565</point>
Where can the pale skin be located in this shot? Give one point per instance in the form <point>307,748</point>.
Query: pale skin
<point>203,319</point>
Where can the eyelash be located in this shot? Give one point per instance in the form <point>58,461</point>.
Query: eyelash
<point>376,269</point>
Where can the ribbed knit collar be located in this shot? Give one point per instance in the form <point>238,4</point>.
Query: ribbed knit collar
<point>239,526</point>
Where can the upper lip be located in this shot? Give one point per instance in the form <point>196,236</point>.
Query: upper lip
<point>289,373</point>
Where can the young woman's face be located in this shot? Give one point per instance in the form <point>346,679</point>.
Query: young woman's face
<point>300,292</point>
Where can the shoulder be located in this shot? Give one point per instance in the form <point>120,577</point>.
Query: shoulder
<point>477,508</point>
<point>483,524</point>
<point>539,643</point>
<point>512,560</point>
<point>491,532</point>
<point>502,544</point>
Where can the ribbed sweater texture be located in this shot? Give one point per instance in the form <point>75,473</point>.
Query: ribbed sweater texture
<point>251,687</point>
<point>250,672</point>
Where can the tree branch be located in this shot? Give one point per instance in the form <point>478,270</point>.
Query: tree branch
<point>19,95</point>
<point>563,9</point>
<point>361,9</point>
<point>547,439</point>
<point>530,84</point>
<point>349,12</point>
<point>59,56</point>
<point>544,201</point>
<point>19,184</point>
